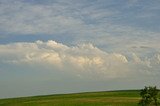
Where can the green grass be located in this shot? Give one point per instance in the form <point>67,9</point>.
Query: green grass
<point>110,98</point>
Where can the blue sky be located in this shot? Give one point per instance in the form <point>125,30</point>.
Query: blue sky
<point>62,46</point>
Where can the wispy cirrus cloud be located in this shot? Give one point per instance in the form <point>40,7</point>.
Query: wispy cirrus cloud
<point>81,21</point>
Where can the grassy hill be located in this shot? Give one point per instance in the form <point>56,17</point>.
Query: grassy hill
<point>108,98</point>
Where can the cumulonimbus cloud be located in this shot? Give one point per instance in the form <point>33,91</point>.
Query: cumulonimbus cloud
<point>82,60</point>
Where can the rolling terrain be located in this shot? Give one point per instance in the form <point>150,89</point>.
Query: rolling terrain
<point>107,98</point>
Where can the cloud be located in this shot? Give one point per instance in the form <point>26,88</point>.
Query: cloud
<point>85,60</point>
<point>25,18</point>
<point>80,21</point>
<point>58,18</point>
<point>80,59</point>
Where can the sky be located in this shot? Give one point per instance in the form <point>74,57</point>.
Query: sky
<point>66,46</point>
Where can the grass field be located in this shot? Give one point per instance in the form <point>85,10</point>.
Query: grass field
<point>110,98</point>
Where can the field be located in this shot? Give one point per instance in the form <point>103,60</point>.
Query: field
<point>109,98</point>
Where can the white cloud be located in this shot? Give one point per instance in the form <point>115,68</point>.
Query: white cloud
<point>83,60</point>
